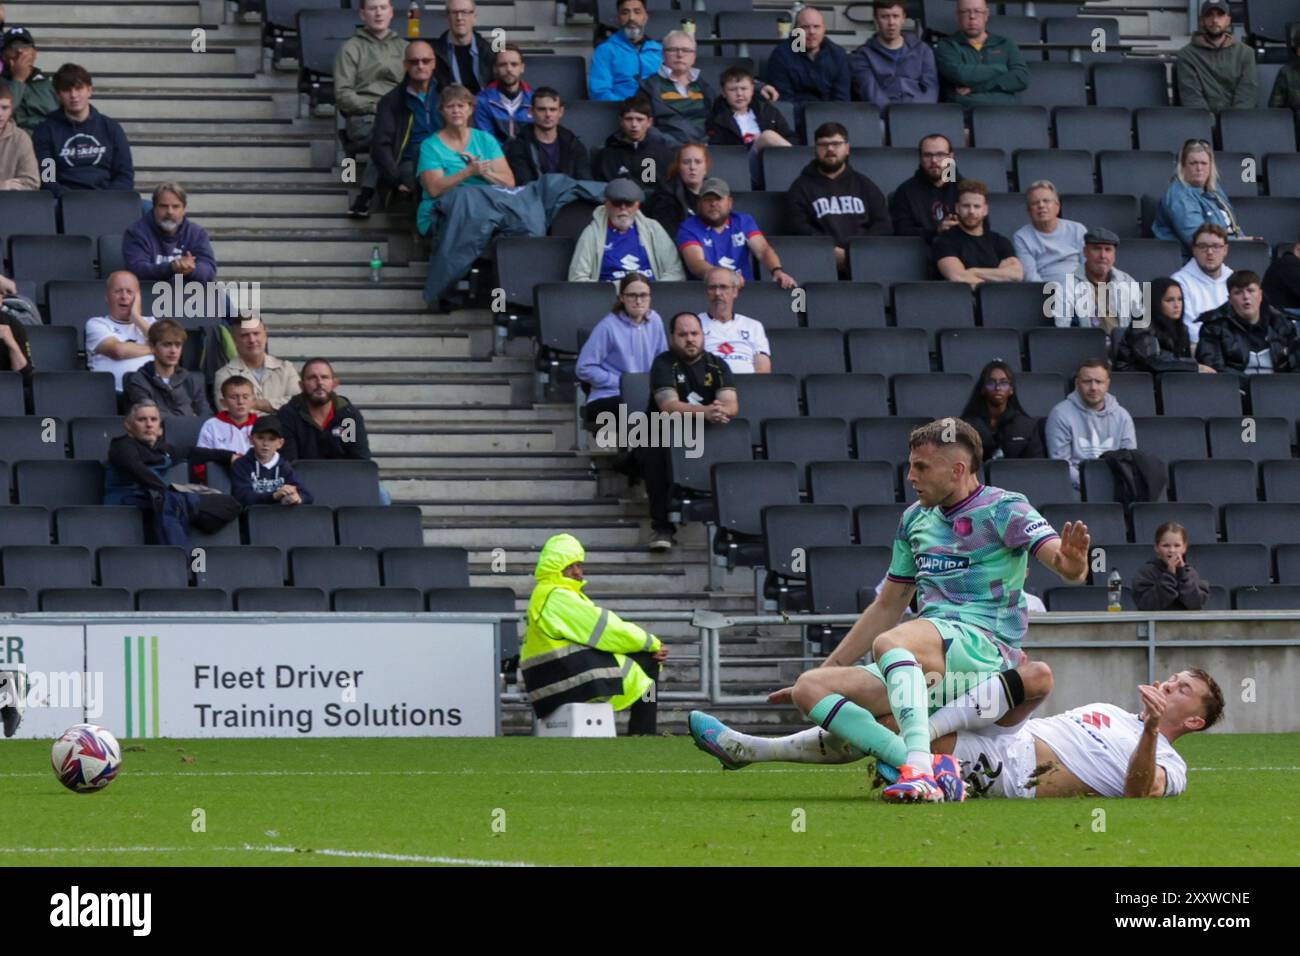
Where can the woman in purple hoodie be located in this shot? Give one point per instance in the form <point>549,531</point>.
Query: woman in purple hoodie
<point>626,340</point>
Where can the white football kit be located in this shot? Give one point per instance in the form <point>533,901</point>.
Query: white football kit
<point>1094,742</point>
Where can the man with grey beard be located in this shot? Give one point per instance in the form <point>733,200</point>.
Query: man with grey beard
<point>163,243</point>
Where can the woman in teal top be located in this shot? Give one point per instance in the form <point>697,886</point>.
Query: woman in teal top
<point>457,155</point>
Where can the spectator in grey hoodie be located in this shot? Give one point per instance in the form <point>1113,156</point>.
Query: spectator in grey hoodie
<point>175,390</point>
<point>1089,421</point>
<point>893,66</point>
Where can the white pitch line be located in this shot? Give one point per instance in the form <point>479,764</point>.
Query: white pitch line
<point>248,848</point>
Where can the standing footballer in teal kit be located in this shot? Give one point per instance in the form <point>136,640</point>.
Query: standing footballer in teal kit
<point>962,548</point>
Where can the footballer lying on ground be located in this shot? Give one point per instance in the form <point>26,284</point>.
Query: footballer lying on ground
<point>1095,750</point>
<point>962,548</point>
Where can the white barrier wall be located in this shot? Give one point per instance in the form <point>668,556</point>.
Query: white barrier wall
<point>307,678</point>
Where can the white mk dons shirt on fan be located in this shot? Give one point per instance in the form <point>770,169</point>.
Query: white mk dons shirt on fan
<point>1096,743</point>
<point>736,342</point>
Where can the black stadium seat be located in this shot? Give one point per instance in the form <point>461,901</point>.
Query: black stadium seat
<point>57,484</point>
<point>1136,172</point>
<point>1012,305</point>
<point>1203,395</point>
<point>567,75</point>
<point>1283,175</point>
<point>884,439</point>
<point>1148,259</point>
<point>1171,437</point>
<point>34,568</point>
<point>232,568</point>
<point>877,525</point>
<point>1105,520</point>
<point>718,443</point>
<point>1268,523</point>
<point>301,526</point>
<point>340,483</point>
<point>805,440</point>
<point>1038,479</point>
<point>851,483</point>
<point>808,258</point>
<point>1010,128</point>
<point>70,395</point>
<point>479,601</point>
<point>147,566</point>
<point>968,350</point>
<point>888,351</point>
<point>1052,85</point>
<point>1134,390</point>
<point>742,490</point>
<point>933,306</point>
<point>40,259</point>
<point>86,600</point>
<point>844,305</point>
<point>846,396</point>
<point>54,348</point>
<point>380,527</point>
<point>789,531</point>
<point>836,576</point>
<point>1220,481</point>
<point>1259,132</point>
<point>1069,170</point>
<point>1272,217</point>
<point>1093,128</point>
<point>1082,32</point>
<point>1257,438</point>
<point>568,311</point>
<point>1168,127</point>
<point>862,120</point>
<point>1231,565</point>
<point>383,600</point>
<point>24,524</point>
<point>801,352</point>
<point>29,438</point>
<point>593,122</point>
<point>766,396</point>
<point>72,302</point>
<point>27,213</point>
<point>889,259</point>
<point>932,395</point>
<point>1267,597</point>
<point>524,261</point>
<point>287,600</point>
<point>97,212</point>
<point>1118,213</point>
<point>1198,517</point>
<point>1130,84</point>
<point>336,567</point>
<point>99,526</point>
<point>1039,392</point>
<point>1281,479</point>
<point>425,568</point>
<point>190,600</point>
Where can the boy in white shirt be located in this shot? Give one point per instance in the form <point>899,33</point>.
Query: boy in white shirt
<point>227,436</point>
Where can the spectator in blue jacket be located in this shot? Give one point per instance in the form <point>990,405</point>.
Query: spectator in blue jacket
<point>504,107</point>
<point>1195,198</point>
<point>809,68</point>
<point>89,150</point>
<point>629,56</point>
<point>626,340</point>
<point>163,242</point>
<point>893,67</point>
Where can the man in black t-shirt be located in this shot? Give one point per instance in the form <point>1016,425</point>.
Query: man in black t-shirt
<point>690,381</point>
<point>971,253</point>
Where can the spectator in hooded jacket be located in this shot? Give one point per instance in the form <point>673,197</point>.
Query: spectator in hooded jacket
<point>164,242</point>
<point>504,107</point>
<point>926,204</point>
<point>544,146</point>
<point>464,55</point>
<point>34,96</point>
<point>264,476</point>
<point>892,66</point>
<point>366,68</point>
<point>626,340</point>
<point>625,153</point>
<point>1204,277</point>
<point>1282,281</point>
<point>1167,582</point>
<point>831,198</point>
<point>809,67</point>
<point>1161,346</point>
<point>976,67</point>
<point>18,169</point>
<point>1286,88</point>
<point>176,391</point>
<point>88,150</point>
<point>629,56</point>
<point>406,116</point>
<point>994,411</point>
<point>1216,71</point>
<point>1090,421</point>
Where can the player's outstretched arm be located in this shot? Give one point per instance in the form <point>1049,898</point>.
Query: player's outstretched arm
<point>1145,778</point>
<point>1068,554</point>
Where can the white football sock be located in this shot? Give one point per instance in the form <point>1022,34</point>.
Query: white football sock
<point>982,705</point>
<point>813,745</point>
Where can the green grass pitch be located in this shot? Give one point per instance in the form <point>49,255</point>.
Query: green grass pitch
<point>590,802</point>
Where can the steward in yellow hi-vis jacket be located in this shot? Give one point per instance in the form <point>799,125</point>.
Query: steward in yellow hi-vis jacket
<point>575,652</point>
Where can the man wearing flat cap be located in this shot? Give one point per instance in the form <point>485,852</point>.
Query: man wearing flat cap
<point>1216,71</point>
<point>621,239</point>
<point>1101,296</point>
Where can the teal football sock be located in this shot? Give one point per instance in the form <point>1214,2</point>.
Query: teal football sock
<point>909,699</point>
<point>838,715</point>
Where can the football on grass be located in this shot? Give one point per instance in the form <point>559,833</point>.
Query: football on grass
<point>86,758</point>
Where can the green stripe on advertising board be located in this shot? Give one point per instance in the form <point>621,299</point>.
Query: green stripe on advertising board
<point>139,654</point>
<point>153,663</point>
<point>126,670</point>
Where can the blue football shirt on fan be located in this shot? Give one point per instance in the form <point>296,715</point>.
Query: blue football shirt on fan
<point>624,253</point>
<point>728,248</point>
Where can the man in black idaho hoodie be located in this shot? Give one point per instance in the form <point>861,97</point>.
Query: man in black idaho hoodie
<point>831,198</point>
<point>90,151</point>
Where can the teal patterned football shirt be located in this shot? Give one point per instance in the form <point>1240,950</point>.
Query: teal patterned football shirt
<point>968,561</point>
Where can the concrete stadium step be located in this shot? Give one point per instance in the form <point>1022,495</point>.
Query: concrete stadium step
<point>668,581</point>
<point>126,14</point>
<point>379,343</point>
<point>146,177</point>
<point>248,270</point>
<point>305,249</point>
<point>162,29</point>
<point>477,533</point>
<point>543,464</point>
<point>483,561</point>
<point>188,81</point>
<point>222,155</point>
<point>485,487</point>
<point>333,222</point>
<point>479,442</point>
<point>595,512</point>
<point>227,130</point>
<point>365,392</point>
<point>251,203</point>
<point>127,108</point>
<point>336,299</point>
<point>436,416</point>
<point>168,59</point>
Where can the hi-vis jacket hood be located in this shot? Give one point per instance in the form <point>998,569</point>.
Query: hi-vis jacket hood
<point>573,650</point>
<point>558,553</point>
